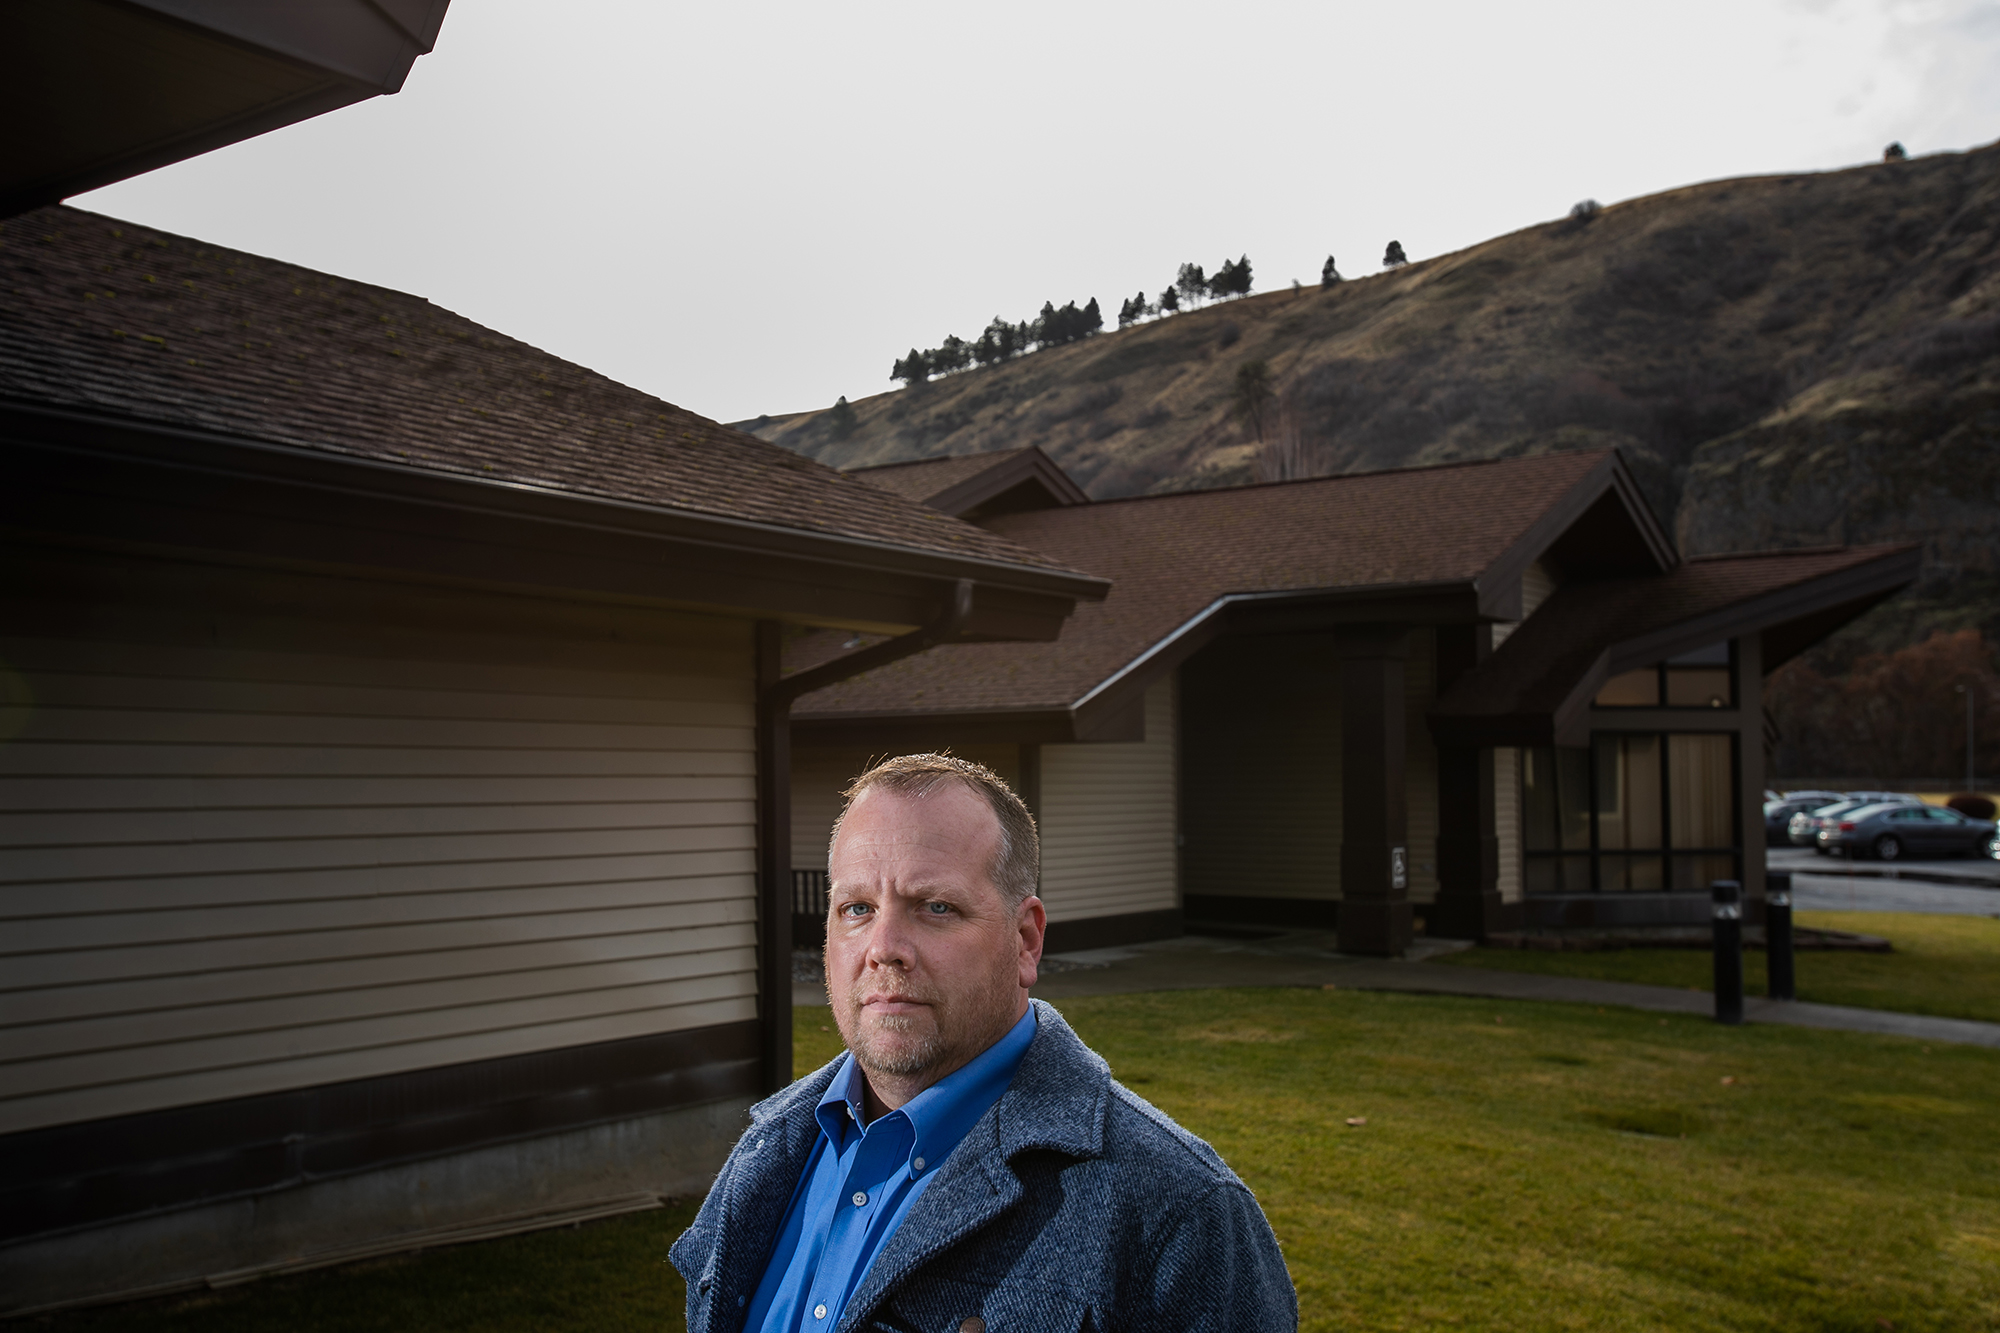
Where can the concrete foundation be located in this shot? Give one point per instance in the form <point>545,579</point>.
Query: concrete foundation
<point>560,1176</point>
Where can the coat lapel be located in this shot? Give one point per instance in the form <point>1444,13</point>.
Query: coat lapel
<point>1058,1101</point>
<point>756,1189</point>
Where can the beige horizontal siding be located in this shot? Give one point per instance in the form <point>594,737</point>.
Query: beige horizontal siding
<point>75,998</point>
<point>1108,821</point>
<point>308,852</point>
<point>27,901</point>
<point>821,772</point>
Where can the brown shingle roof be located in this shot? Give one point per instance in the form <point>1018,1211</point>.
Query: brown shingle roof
<point>116,319</point>
<point>1169,556</point>
<point>926,477</point>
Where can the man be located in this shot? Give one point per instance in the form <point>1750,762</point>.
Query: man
<point>968,1165</point>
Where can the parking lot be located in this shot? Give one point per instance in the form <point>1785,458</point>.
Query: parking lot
<point>1958,886</point>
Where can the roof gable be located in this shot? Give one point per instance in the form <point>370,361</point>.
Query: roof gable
<point>977,487</point>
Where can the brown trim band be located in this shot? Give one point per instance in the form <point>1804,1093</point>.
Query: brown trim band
<point>71,1176</point>
<point>1101,932</point>
<point>1251,910</point>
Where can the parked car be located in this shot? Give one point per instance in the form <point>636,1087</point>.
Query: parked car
<point>1778,813</point>
<point>1805,828</point>
<point>1892,832</point>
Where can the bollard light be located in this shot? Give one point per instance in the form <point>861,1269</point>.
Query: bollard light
<point>1781,981</point>
<point>1727,897</point>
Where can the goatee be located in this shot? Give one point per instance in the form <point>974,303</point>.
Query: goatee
<point>898,1059</point>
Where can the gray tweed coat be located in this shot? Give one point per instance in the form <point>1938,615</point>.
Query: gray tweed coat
<point>1072,1204</point>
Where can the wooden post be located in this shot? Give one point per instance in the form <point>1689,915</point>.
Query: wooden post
<point>774,861</point>
<point>1375,913</point>
<point>1468,905</point>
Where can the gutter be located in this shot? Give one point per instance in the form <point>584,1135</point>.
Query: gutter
<point>775,695</point>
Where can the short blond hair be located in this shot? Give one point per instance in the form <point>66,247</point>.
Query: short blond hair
<point>1017,865</point>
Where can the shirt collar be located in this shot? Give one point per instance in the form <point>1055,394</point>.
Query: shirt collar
<point>941,1114</point>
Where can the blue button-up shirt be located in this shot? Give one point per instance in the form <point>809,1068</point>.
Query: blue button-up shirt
<point>860,1183</point>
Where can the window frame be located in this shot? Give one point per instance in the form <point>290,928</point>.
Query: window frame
<point>1661,673</point>
<point>1595,854</point>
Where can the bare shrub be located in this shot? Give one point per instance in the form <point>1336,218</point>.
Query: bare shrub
<point>1892,715</point>
<point>1289,454</point>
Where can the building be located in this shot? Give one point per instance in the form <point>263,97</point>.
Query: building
<point>1490,693</point>
<point>393,751</point>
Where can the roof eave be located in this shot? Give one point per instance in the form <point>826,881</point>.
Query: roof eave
<point>1015,598</point>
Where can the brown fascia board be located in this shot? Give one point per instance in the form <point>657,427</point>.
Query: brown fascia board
<point>1500,584</point>
<point>1030,464</point>
<point>1862,584</point>
<point>76,476</point>
<point>370,42</point>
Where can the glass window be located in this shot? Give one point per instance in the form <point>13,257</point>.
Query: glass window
<point>1705,678</point>
<point>1633,813</point>
<point>1555,816</point>
<point>1538,800</point>
<point>1698,687</point>
<point>1573,798</point>
<point>1633,689</point>
<point>1700,791</point>
<point>1628,793</point>
<point>1693,873</point>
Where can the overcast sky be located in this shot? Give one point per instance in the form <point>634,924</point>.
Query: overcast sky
<point>751,208</point>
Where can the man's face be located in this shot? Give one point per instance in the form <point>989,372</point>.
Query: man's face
<point>926,962</point>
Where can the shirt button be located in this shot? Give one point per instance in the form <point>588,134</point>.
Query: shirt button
<point>919,1164</point>
<point>819,1312</point>
<point>860,1198</point>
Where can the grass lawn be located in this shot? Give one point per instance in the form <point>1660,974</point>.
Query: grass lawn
<point>1948,966</point>
<point>1522,1167</point>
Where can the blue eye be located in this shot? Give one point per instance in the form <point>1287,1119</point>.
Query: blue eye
<point>938,909</point>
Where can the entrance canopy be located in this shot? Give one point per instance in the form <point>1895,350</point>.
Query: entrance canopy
<point>1538,687</point>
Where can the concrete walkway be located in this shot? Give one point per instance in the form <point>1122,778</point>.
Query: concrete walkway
<point>1308,958</point>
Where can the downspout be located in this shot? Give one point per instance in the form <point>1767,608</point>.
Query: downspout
<point>775,694</point>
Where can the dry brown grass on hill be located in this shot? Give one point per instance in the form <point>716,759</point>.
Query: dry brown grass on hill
<point>1785,360</point>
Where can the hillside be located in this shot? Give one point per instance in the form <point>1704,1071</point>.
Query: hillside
<point>1786,361</point>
